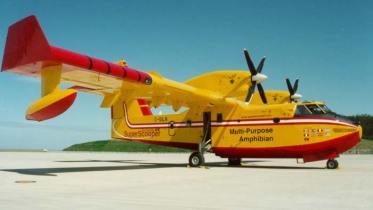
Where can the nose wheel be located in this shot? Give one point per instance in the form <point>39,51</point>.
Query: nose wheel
<point>332,164</point>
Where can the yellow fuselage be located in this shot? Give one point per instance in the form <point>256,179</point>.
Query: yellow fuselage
<point>242,131</point>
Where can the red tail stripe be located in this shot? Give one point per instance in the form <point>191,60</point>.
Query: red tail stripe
<point>145,109</point>
<point>142,102</point>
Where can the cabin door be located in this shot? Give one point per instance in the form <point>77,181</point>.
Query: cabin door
<point>206,126</point>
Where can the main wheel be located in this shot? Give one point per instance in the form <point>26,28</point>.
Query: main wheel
<point>332,164</point>
<point>233,161</point>
<point>196,159</point>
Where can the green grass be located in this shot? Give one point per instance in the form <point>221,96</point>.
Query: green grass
<point>364,147</point>
<point>121,146</point>
<point>365,144</point>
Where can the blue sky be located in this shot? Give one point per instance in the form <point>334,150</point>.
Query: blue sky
<point>327,44</point>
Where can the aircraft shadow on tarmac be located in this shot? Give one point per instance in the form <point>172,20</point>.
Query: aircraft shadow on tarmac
<point>138,164</point>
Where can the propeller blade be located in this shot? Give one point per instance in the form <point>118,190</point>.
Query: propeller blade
<point>262,94</point>
<point>296,85</point>
<point>290,87</point>
<point>250,92</point>
<point>260,66</point>
<point>250,63</point>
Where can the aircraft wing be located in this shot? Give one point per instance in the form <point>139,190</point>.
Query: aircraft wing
<point>29,53</point>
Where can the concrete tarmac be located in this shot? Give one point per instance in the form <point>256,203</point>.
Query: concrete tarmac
<point>79,180</point>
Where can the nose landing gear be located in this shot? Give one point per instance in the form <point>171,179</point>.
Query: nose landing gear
<point>332,164</point>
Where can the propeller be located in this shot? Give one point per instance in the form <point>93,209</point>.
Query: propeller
<point>256,78</point>
<point>294,96</point>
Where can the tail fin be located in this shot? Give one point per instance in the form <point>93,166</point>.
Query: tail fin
<point>25,43</point>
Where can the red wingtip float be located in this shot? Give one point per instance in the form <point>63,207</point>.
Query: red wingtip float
<point>221,112</point>
<point>51,105</point>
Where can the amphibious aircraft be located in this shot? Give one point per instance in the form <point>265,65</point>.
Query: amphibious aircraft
<point>222,113</point>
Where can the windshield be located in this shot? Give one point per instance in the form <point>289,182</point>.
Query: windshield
<point>326,109</point>
<point>315,109</point>
<point>312,109</point>
<point>320,110</point>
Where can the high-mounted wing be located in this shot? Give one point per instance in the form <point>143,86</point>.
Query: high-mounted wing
<point>29,53</point>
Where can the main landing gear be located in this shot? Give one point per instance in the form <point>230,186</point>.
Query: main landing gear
<point>196,159</point>
<point>332,164</point>
<point>232,161</point>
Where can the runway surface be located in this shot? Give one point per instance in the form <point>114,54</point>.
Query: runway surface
<point>71,180</point>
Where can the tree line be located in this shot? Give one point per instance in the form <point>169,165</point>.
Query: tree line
<point>366,121</point>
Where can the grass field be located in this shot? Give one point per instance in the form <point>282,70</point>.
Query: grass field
<point>121,146</point>
<point>364,147</point>
<point>366,144</point>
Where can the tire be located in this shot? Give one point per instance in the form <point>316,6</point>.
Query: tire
<point>233,161</point>
<point>332,164</point>
<point>196,159</point>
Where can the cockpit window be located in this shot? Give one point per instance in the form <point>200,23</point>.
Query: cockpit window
<point>316,110</point>
<point>320,110</point>
<point>326,109</point>
<point>302,110</point>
